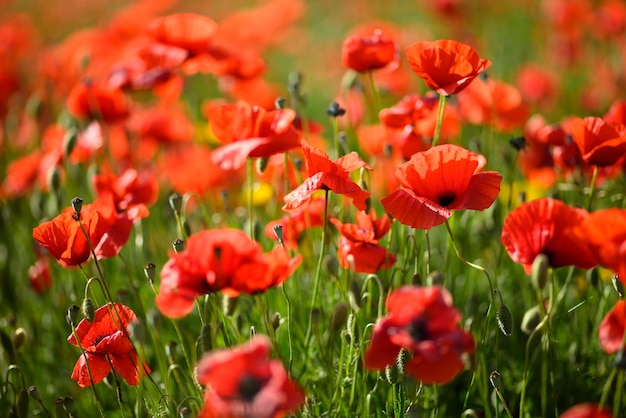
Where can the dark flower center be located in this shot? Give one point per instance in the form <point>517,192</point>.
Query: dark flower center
<point>250,386</point>
<point>446,198</point>
<point>418,329</point>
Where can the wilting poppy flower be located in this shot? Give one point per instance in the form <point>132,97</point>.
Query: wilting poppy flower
<point>364,53</point>
<point>93,100</point>
<point>423,321</point>
<point>245,382</point>
<point>599,143</point>
<point>250,131</point>
<point>106,344</point>
<point>611,331</point>
<point>295,222</point>
<point>224,260</point>
<point>64,238</point>
<point>605,230</point>
<point>434,182</point>
<point>547,226</point>
<point>446,66</point>
<point>325,174</point>
<point>586,410</point>
<point>360,241</point>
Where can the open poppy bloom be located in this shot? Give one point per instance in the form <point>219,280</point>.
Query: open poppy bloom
<point>586,410</point>
<point>605,230</point>
<point>188,31</point>
<point>446,66</point>
<point>423,321</point>
<point>611,331</point>
<point>599,143</point>
<point>325,174</point>
<point>297,221</point>
<point>224,260</point>
<point>96,100</point>
<point>360,241</point>
<point>547,226</point>
<point>250,131</point>
<point>64,238</point>
<point>243,382</point>
<point>365,53</point>
<point>437,181</point>
<point>106,345</point>
<point>128,189</point>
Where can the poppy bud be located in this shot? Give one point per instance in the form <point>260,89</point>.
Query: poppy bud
<point>77,205</point>
<point>334,110</point>
<point>186,228</point>
<point>185,412</point>
<point>331,265</point>
<point>72,315</point>
<point>354,295</point>
<point>176,202</point>
<point>494,379</point>
<point>519,143</point>
<point>315,316</point>
<point>618,285</point>
<point>278,231</point>
<point>34,393</point>
<point>504,318</point>
<point>280,103</point>
<point>435,278</point>
<point>19,336</point>
<point>150,271</point>
<point>416,279</point>
<point>261,164</point>
<point>539,272</point>
<point>178,245</point>
<point>252,331</point>
<point>228,305</point>
<point>620,360</point>
<point>275,320</point>
<point>391,374</point>
<point>340,315</point>
<point>53,179</point>
<point>69,142</point>
<point>21,404</point>
<point>469,413</point>
<point>88,309</point>
<point>593,277</point>
<point>170,351</point>
<point>531,320</point>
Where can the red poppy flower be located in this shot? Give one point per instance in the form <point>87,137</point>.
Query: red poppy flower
<point>434,182</point>
<point>605,230</point>
<point>39,275</point>
<point>423,321</point>
<point>114,239</point>
<point>93,100</point>
<point>128,189</point>
<point>250,131</point>
<point>586,410</point>
<point>325,174</point>
<point>188,31</point>
<point>360,241</point>
<point>106,344</point>
<point>21,175</point>
<point>220,260</point>
<point>538,85</point>
<point>599,143</point>
<point>493,102</point>
<point>547,226</point>
<point>363,53</point>
<point>244,382</point>
<point>611,331</point>
<point>294,223</point>
<point>64,238</point>
<point>446,66</point>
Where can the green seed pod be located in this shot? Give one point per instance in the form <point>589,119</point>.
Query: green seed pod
<point>504,318</point>
<point>331,265</point>
<point>339,318</point>
<point>150,271</point>
<point>178,245</point>
<point>275,320</point>
<point>34,393</point>
<point>77,205</point>
<point>532,318</point>
<point>539,272</point>
<point>89,310</point>
<point>261,164</point>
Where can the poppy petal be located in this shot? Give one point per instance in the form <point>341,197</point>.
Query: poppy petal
<point>415,211</point>
<point>381,351</point>
<point>481,192</point>
<point>99,368</point>
<point>233,156</point>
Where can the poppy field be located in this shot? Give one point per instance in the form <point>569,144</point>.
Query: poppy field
<point>301,208</point>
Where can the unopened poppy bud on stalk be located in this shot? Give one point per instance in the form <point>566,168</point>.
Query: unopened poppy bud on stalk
<point>77,205</point>
<point>178,245</point>
<point>278,231</point>
<point>150,271</point>
<point>88,309</point>
<point>176,202</point>
<point>531,320</point>
<point>72,314</point>
<point>334,110</point>
<point>539,272</point>
<point>69,141</point>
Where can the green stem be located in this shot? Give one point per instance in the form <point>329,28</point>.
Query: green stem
<point>250,179</point>
<point>375,95</point>
<point>442,106</point>
<point>592,186</point>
